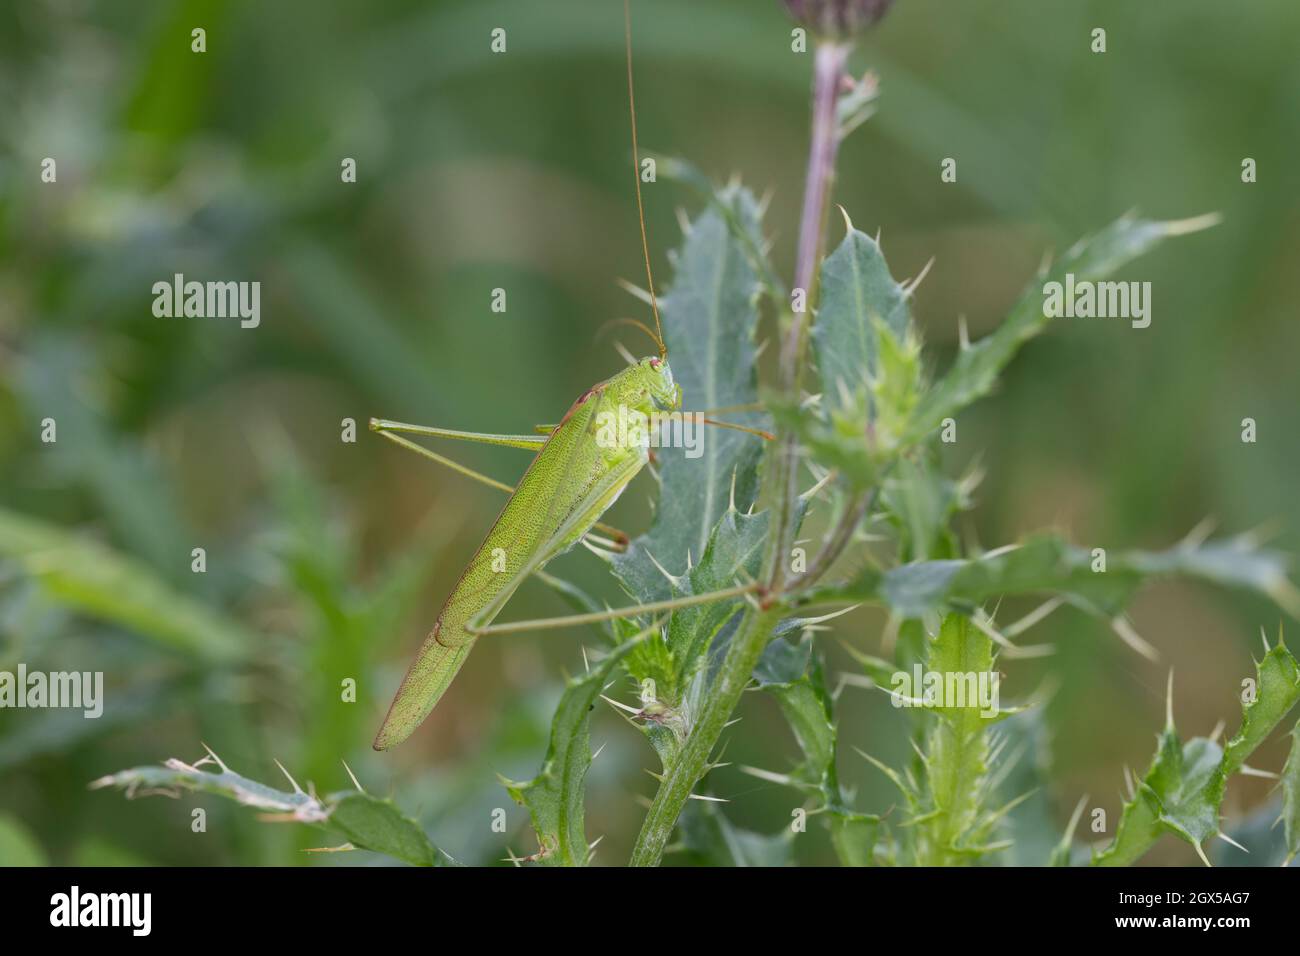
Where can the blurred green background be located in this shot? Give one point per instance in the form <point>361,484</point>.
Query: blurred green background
<point>329,560</point>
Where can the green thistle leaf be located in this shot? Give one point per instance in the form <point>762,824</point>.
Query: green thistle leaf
<point>1046,564</point>
<point>858,298</point>
<point>792,673</point>
<point>1291,797</point>
<point>976,369</point>
<point>555,797</point>
<point>1183,790</point>
<point>367,822</point>
<point>710,314</point>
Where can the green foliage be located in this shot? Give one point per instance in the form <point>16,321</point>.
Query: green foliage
<point>555,796</point>
<point>700,541</point>
<point>876,405</point>
<point>1046,564</point>
<point>731,556</point>
<point>875,411</point>
<point>709,315</point>
<point>793,675</point>
<point>708,838</point>
<point>1291,796</point>
<point>919,500</point>
<point>93,579</point>
<point>1184,787</point>
<point>367,822</point>
<point>870,362</point>
<point>143,458</point>
<point>1093,259</point>
<point>874,429</point>
<point>865,431</point>
<point>857,297</point>
<point>370,823</point>
<point>953,823</point>
<point>17,845</point>
<point>949,790</point>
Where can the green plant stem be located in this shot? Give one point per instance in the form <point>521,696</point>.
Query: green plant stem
<point>692,761</point>
<point>823,148</point>
<point>755,629</point>
<point>828,75</point>
<point>838,540</point>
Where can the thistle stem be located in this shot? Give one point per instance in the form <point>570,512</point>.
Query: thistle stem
<point>835,544</point>
<point>693,760</point>
<point>828,77</point>
<point>829,63</point>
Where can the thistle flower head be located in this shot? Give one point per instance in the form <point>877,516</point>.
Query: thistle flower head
<point>838,19</point>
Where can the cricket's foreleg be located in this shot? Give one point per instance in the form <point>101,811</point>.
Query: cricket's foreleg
<point>614,540</point>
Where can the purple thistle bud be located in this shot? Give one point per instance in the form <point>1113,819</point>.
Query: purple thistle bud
<point>838,19</point>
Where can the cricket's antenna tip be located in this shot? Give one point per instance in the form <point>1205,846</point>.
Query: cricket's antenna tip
<point>636,177</point>
<point>635,324</point>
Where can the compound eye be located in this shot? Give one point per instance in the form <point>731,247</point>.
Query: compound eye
<point>655,363</point>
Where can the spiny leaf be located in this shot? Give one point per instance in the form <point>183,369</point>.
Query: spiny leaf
<point>95,580</point>
<point>861,434</point>
<point>1047,564</point>
<point>1291,796</point>
<point>793,674</point>
<point>919,499</point>
<point>677,663</point>
<point>870,363</point>
<point>555,797</point>
<point>366,822</point>
<point>709,316</point>
<point>857,294</point>
<point>732,554</point>
<point>1182,791</point>
<point>176,775</point>
<point>709,838</point>
<point>378,825</point>
<point>747,230</point>
<point>976,368</point>
<point>1277,687</point>
<point>854,837</point>
<point>1064,851</point>
<point>954,804</point>
<point>1186,782</point>
<point>957,748</point>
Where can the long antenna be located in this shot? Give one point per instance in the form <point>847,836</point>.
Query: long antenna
<point>633,322</point>
<point>636,175</point>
